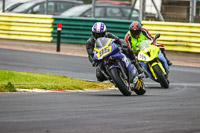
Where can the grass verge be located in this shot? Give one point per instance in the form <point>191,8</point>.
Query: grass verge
<point>10,80</point>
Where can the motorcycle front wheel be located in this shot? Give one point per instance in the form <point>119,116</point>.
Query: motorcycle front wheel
<point>120,82</point>
<point>160,75</point>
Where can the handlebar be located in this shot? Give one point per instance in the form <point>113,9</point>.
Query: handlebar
<point>156,37</point>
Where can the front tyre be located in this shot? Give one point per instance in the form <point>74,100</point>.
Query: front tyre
<point>160,75</point>
<point>120,82</point>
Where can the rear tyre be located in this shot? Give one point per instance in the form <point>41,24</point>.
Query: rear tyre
<point>121,83</point>
<point>161,78</point>
<point>141,91</point>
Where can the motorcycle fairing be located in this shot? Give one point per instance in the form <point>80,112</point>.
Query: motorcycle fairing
<point>103,48</point>
<point>148,54</point>
<point>132,71</point>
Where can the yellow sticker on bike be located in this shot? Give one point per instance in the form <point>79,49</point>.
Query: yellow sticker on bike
<point>138,85</point>
<point>104,50</point>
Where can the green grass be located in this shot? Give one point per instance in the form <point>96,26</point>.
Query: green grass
<point>9,80</point>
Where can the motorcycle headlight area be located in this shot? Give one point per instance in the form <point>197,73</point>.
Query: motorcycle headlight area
<point>143,57</point>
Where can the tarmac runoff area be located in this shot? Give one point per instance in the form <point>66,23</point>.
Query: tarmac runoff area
<point>177,58</point>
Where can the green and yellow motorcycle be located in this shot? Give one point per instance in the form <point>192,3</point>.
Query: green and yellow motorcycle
<point>153,62</point>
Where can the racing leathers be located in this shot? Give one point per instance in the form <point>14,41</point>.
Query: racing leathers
<point>91,42</point>
<point>144,35</point>
<point>128,52</point>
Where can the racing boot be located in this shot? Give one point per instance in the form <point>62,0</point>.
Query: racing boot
<point>132,85</point>
<point>168,62</point>
<point>136,84</point>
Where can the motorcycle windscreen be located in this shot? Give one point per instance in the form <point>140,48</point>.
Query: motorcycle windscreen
<point>144,45</point>
<point>102,42</point>
<point>147,52</point>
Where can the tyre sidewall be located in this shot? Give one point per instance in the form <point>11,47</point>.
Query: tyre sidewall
<point>114,72</point>
<point>160,75</point>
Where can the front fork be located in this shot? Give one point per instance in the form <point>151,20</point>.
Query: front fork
<point>122,70</point>
<point>104,70</point>
<point>153,64</point>
<point>131,76</point>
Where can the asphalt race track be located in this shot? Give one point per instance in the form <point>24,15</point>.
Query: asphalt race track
<point>174,110</point>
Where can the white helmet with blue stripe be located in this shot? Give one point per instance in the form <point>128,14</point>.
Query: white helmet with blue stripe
<point>98,30</point>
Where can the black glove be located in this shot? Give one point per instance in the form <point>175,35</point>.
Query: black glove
<point>124,46</point>
<point>94,64</point>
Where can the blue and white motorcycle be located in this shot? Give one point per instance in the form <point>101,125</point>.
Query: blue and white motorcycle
<point>117,68</point>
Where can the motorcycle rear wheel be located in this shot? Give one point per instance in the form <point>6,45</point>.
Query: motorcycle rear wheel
<point>161,78</point>
<point>141,91</point>
<point>121,83</point>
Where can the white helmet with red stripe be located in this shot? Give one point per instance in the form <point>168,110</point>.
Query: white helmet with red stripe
<point>98,30</point>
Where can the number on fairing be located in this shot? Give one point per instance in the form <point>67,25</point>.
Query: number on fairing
<point>104,51</point>
<point>143,57</point>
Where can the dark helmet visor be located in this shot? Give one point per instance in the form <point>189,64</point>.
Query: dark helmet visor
<point>134,33</point>
<point>97,35</point>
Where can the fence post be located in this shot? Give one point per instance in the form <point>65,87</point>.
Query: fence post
<point>59,28</point>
